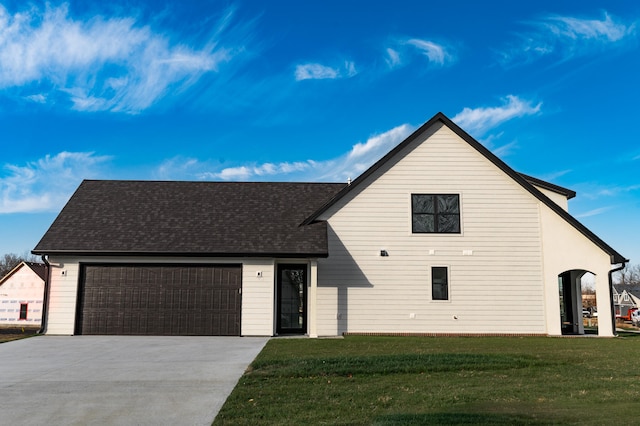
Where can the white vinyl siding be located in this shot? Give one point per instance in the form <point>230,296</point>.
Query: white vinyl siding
<point>63,292</point>
<point>495,275</point>
<point>257,291</point>
<point>559,199</point>
<point>257,297</point>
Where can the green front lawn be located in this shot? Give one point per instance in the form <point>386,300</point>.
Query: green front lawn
<point>443,380</point>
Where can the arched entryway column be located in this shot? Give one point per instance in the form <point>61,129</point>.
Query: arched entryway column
<point>570,294</point>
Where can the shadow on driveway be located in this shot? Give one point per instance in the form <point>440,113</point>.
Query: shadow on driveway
<point>142,380</point>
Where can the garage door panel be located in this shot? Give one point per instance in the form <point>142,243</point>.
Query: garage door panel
<point>160,300</point>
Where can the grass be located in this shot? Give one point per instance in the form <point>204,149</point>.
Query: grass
<point>428,381</point>
<point>9,333</point>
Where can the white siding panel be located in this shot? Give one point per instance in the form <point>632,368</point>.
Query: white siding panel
<point>495,266</point>
<point>559,199</point>
<point>63,293</point>
<point>257,292</point>
<point>257,297</point>
<point>567,249</point>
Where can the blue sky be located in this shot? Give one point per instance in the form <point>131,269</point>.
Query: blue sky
<point>313,91</point>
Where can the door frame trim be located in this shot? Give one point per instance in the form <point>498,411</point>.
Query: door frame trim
<point>278,282</point>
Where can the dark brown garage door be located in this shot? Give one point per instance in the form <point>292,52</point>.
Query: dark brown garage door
<point>160,300</point>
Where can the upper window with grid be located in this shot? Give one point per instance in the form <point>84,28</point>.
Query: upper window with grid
<point>435,213</point>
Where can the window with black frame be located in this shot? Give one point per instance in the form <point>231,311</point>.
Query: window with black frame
<point>435,213</point>
<point>439,283</point>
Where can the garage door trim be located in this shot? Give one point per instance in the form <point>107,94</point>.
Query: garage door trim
<point>164,291</point>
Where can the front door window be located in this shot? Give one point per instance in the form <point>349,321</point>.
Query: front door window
<point>292,299</point>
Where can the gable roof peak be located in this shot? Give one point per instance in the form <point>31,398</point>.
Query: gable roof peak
<point>522,180</point>
<point>38,268</point>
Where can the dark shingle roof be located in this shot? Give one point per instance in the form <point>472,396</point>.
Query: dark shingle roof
<point>191,218</point>
<point>39,268</point>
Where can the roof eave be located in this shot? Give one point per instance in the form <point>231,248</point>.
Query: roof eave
<point>550,186</point>
<point>117,253</point>
<point>11,272</point>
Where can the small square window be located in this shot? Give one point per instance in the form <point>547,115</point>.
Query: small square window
<point>435,213</point>
<point>23,311</point>
<point>439,283</point>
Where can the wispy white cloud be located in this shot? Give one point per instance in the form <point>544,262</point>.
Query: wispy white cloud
<point>315,71</point>
<point>350,68</point>
<point>506,149</point>
<point>594,191</point>
<point>349,165</point>
<point>260,172</point>
<point>593,212</point>
<point>100,64</point>
<point>494,144</point>
<point>231,173</point>
<point>479,120</point>
<point>435,52</point>
<point>364,154</point>
<point>46,184</point>
<point>405,50</point>
<point>392,58</point>
<point>614,191</point>
<point>550,177</point>
<point>565,37</point>
<point>37,98</point>
<point>175,168</point>
<point>589,29</point>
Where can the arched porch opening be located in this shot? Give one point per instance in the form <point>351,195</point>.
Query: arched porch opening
<point>577,292</point>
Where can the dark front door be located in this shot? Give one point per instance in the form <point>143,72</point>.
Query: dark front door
<point>292,299</point>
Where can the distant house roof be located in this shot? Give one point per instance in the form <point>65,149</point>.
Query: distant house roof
<point>190,219</point>
<point>523,180</point>
<point>39,268</point>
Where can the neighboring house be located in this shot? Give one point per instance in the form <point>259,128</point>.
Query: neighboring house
<point>624,301</point>
<point>589,301</point>
<point>21,294</point>
<point>438,237</point>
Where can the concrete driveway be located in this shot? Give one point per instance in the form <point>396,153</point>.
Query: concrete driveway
<point>120,380</point>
